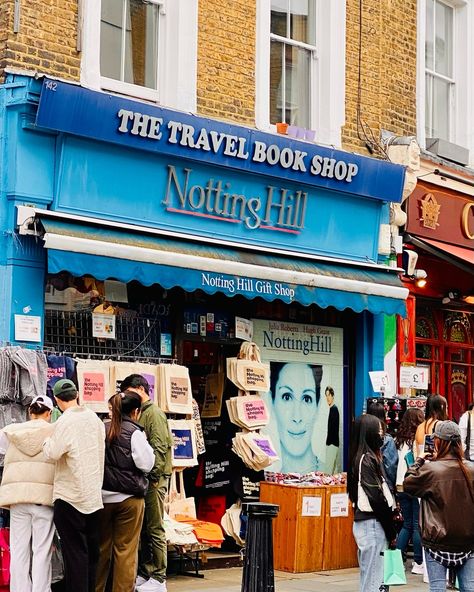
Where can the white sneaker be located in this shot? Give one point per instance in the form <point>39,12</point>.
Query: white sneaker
<point>417,569</point>
<point>139,581</point>
<point>152,586</point>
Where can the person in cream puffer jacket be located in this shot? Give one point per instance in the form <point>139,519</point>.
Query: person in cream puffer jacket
<point>27,491</point>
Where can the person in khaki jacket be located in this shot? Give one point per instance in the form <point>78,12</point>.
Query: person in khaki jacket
<point>153,551</point>
<point>27,491</point>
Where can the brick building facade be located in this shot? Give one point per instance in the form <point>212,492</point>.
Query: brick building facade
<point>46,42</point>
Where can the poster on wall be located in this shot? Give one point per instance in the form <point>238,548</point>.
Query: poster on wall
<point>306,394</point>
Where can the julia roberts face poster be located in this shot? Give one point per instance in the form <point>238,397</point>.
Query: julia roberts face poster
<point>306,394</point>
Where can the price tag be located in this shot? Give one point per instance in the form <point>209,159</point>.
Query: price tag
<point>380,381</point>
<point>416,377</point>
<point>311,505</point>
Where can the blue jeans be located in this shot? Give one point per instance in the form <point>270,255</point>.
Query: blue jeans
<point>411,526</point>
<point>371,542</point>
<point>437,575</point>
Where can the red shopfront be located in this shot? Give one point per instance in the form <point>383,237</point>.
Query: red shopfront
<point>439,330</point>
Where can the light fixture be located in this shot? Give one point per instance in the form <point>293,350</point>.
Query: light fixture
<point>421,283</point>
<point>451,295</point>
<point>469,299</point>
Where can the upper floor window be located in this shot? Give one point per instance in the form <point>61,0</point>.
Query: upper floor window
<point>129,37</point>
<point>292,50</point>
<point>445,72</point>
<point>300,68</point>
<point>142,48</point>
<point>439,67</point>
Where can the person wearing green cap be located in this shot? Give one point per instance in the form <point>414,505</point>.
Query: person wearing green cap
<point>77,445</point>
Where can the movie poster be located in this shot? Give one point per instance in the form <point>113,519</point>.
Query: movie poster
<point>306,394</point>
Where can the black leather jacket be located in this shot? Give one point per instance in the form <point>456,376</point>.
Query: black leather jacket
<point>447,507</point>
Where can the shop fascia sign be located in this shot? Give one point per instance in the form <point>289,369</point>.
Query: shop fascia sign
<point>441,215</point>
<point>72,109</point>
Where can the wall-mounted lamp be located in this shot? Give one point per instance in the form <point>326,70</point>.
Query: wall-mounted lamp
<point>469,299</point>
<point>419,276</point>
<point>452,295</point>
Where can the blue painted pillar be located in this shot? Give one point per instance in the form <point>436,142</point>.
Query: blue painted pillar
<point>369,355</point>
<point>27,168</point>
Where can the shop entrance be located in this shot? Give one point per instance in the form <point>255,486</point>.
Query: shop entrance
<point>445,344</point>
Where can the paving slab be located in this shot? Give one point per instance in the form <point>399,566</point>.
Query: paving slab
<point>229,580</point>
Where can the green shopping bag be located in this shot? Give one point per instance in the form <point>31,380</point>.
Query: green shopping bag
<point>393,569</point>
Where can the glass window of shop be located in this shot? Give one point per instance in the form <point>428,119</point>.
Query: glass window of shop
<point>445,344</point>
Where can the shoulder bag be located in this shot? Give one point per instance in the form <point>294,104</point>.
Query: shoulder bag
<point>467,451</point>
<point>363,501</point>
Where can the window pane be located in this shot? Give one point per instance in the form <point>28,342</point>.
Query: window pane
<point>279,16</point>
<point>276,82</point>
<point>289,84</point>
<point>297,86</point>
<point>302,20</point>
<point>141,53</point>
<point>429,106</point>
<point>444,39</point>
<point>135,62</point>
<point>111,38</point>
<point>441,90</point>
<point>429,41</point>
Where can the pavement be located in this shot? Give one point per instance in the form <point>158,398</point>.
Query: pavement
<point>229,580</point>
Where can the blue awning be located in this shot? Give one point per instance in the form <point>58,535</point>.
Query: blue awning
<point>107,253</point>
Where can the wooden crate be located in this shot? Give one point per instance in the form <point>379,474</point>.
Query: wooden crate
<point>339,549</point>
<point>297,539</point>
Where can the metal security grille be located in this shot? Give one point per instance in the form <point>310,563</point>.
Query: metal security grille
<point>137,338</point>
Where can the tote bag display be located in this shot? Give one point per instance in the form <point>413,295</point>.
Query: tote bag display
<point>183,453</point>
<point>120,370</point>
<point>247,371</point>
<point>393,568</point>
<point>95,389</point>
<point>248,412</point>
<point>174,389</point>
<point>178,503</point>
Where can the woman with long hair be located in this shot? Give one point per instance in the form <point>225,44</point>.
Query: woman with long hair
<point>445,483</point>
<point>389,450</point>
<point>436,410</point>
<point>128,456</point>
<point>410,506</point>
<point>372,500</point>
<point>27,491</point>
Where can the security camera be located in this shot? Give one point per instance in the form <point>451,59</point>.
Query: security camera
<point>419,274</point>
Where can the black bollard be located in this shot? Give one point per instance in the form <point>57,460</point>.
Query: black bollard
<point>258,573</point>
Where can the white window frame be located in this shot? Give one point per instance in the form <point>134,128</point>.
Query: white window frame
<point>327,70</point>
<point>461,119</point>
<point>177,55</point>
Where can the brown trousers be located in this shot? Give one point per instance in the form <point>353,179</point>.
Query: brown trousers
<point>120,524</point>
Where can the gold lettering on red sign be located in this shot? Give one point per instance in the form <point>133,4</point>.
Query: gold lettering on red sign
<point>468,233</point>
<point>429,211</point>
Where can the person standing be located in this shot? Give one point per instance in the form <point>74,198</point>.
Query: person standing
<point>466,425</point>
<point>445,483</point>
<point>128,456</point>
<point>435,411</point>
<point>153,549</point>
<point>27,491</point>
<point>410,506</point>
<point>78,446</point>
<point>372,500</point>
<point>389,450</point>
<point>332,438</point>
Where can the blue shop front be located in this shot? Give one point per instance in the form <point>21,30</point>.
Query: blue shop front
<point>135,233</point>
